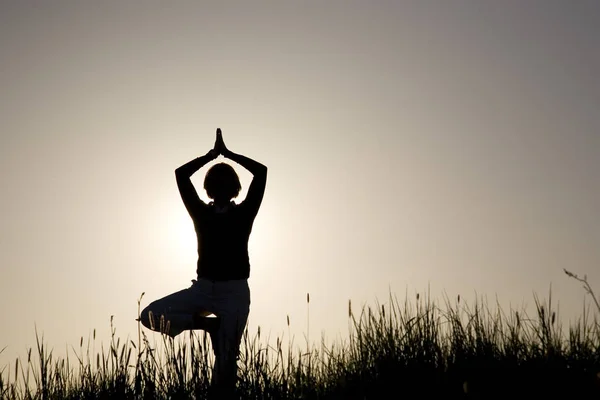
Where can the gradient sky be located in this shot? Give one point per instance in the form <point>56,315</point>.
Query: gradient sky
<point>411,144</point>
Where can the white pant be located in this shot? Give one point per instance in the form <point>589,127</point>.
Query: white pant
<point>228,300</point>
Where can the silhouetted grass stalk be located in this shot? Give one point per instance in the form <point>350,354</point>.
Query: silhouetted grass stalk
<point>586,286</point>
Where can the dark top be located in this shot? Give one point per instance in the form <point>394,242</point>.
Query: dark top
<point>222,234</point>
<point>223,241</point>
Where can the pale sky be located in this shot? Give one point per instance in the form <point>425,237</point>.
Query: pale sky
<point>453,145</point>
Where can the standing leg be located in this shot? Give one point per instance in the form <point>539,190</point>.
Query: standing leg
<point>233,311</point>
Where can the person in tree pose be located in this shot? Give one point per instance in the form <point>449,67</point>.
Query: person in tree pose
<point>222,229</point>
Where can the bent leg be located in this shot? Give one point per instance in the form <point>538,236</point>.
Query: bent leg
<point>176,312</point>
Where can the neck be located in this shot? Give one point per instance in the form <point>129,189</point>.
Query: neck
<point>221,203</point>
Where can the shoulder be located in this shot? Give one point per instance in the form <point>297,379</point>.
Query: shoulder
<point>247,209</point>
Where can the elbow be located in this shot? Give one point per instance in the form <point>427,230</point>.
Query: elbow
<point>263,170</point>
<point>261,173</point>
<point>180,173</point>
<point>259,170</point>
<point>180,170</point>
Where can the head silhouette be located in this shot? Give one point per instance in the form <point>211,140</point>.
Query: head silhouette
<point>222,183</point>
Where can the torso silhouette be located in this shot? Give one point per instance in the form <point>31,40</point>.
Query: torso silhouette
<point>222,239</point>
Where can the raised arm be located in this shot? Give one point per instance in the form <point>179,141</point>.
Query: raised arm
<point>256,190</point>
<point>186,188</point>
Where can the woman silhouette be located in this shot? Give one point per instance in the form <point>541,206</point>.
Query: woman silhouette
<point>222,229</point>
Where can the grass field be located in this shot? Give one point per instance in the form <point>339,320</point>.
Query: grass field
<point>409,349</point>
